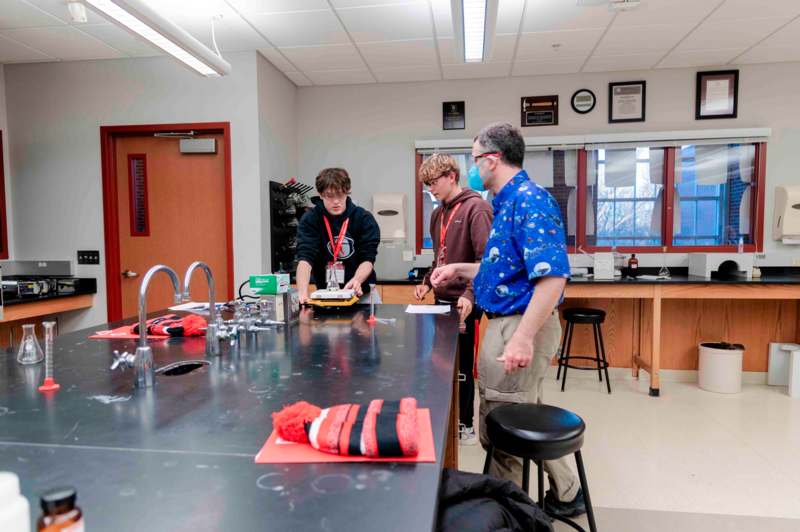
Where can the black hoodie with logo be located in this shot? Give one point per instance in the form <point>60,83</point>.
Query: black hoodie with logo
<point>360,240</point>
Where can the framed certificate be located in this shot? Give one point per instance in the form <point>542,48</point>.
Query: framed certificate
<point>626,101</point>
<point>453,115</point>
<point>539,110</point>
<point>717,94</point>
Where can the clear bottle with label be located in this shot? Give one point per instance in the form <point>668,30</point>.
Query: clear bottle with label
<point>59,512</point>
<point>14,511</point>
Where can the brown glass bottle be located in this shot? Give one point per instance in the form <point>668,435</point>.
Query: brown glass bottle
<point>633,262</point>
<point>59,512</point>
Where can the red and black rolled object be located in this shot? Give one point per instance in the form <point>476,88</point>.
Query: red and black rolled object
<point>174,325</point>
<point>378,429</point>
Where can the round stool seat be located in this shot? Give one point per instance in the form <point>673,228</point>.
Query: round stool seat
<point>536,432</point>
<point>584,315</point>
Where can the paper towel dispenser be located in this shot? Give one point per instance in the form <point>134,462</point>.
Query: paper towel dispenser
<point>390,211</point>
<point>786,217</point>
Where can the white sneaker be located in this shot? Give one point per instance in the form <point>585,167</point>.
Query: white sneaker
<point>467,436</point>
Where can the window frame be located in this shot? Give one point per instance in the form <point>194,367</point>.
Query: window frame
<point>3,214</point>
<point>667,212</point>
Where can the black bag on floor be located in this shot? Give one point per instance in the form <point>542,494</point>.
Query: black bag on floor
<point>480,503</point>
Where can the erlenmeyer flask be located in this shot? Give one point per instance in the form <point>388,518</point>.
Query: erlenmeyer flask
<point>30,352</point>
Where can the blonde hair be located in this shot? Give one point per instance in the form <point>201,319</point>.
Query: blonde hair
<point>436,165</point>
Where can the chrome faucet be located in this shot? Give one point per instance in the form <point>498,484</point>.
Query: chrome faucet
<point>143,359</point>
<point>212,340</point>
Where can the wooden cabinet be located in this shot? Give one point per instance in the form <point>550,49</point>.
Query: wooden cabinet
<point>402,294</point>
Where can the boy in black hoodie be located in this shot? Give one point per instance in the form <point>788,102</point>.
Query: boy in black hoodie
<point>336,240</point>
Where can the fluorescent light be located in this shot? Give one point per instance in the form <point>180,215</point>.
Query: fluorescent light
<point>139,18</point>
<point>474,29</point>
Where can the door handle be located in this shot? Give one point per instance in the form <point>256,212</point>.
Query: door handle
<point>129,274</point>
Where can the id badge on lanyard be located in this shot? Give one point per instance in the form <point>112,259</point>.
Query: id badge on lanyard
<point>441,259</point>
<point>334,273</point>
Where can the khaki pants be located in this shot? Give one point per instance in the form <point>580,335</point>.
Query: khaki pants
<point>524,385</point>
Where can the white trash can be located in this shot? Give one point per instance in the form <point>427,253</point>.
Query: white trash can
<point>720,367</point>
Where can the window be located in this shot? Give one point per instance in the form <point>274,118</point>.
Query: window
<point>557,171</point>
<point>673,196</point>
<point>624,197</point>
<point>713,192</point>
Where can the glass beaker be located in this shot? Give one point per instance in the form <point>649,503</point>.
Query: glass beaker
<point>30,352</point>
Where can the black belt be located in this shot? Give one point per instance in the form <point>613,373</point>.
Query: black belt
<point>492,315</point>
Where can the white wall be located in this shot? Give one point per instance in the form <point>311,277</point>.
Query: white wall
<point>277,123</point>
<point>6,163</point>
<point>55,111</point>
<point>370,129</point>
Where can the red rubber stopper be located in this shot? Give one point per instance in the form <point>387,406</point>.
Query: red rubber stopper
<point>49,385</point>
<point>372,320</point>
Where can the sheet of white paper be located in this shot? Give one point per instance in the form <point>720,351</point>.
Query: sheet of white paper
<point>428,309</point>
<point>195,307</point>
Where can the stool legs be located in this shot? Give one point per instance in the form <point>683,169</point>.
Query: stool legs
<point>597,352</point>
<point>540,482</point>
<point>585,487</point>
<point>603,355</point>
<point>487,463</point>
<point>526,475</point>
<point>566,355</point>
<point>562,352</point>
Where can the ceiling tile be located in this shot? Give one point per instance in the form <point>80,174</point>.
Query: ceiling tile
<point>392,75</point>
<point>397,54</point>
<point>334,57</point>
<point>63,42</point>
<point>307,28</point>
<point>121,39</point>
<point>361,3</point>
<point>14,52</point>
<point>503,48</point>
<point>730,34</point>
<point>509,15</point>
<point>770,54</point>
<point>277,59</point>
<point>539,68</point>
<point>18,14</point>
<point>232,32</point>
<point>652,12</point>
<point>298,78</point>
<point>745,9</point>
<point>476,70</point>
<point>572,43</point>
<point>388,23</point>
<point>557,15</point>
<point>442,18</point>
<point>625,40</point>
<point>448,53</point>
<point>277,6</point>
<point>58,9</point>
<point>789,35</point>
<point>698,58</point>
<point>340,77</point>
<point>612,63</point>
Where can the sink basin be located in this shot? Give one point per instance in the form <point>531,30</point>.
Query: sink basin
<point>181,368</point>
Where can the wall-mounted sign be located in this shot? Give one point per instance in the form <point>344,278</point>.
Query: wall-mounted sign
<point>717,94</point>
<point>453,115</point>
<point>626,101</point>
<point>583,101</point>
<point>539,110</point>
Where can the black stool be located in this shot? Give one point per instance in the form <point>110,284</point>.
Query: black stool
<point>539,432</point>
<point>579,316</point>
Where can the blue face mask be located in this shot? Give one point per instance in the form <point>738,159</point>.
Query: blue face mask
<point>474,179</point>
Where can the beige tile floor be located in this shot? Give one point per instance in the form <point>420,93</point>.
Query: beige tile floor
<point>688,460</point>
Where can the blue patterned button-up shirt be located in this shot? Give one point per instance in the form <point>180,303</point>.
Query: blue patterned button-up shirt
<point>526,242</point>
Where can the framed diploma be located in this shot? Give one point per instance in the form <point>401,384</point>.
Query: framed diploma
<point>626,101</point>
<point>717,94</point>
<point>453,115</point>
<point>539,110</point>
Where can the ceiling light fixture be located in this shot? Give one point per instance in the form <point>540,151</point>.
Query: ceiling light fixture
<point>473,25</point>
<point>141,19</point>
<point>77,12</point>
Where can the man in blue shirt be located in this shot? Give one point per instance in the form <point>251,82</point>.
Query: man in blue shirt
<point>518,283</point>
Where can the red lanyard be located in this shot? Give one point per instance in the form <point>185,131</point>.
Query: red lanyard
<point>337,246</point>
<point>443,228</point>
